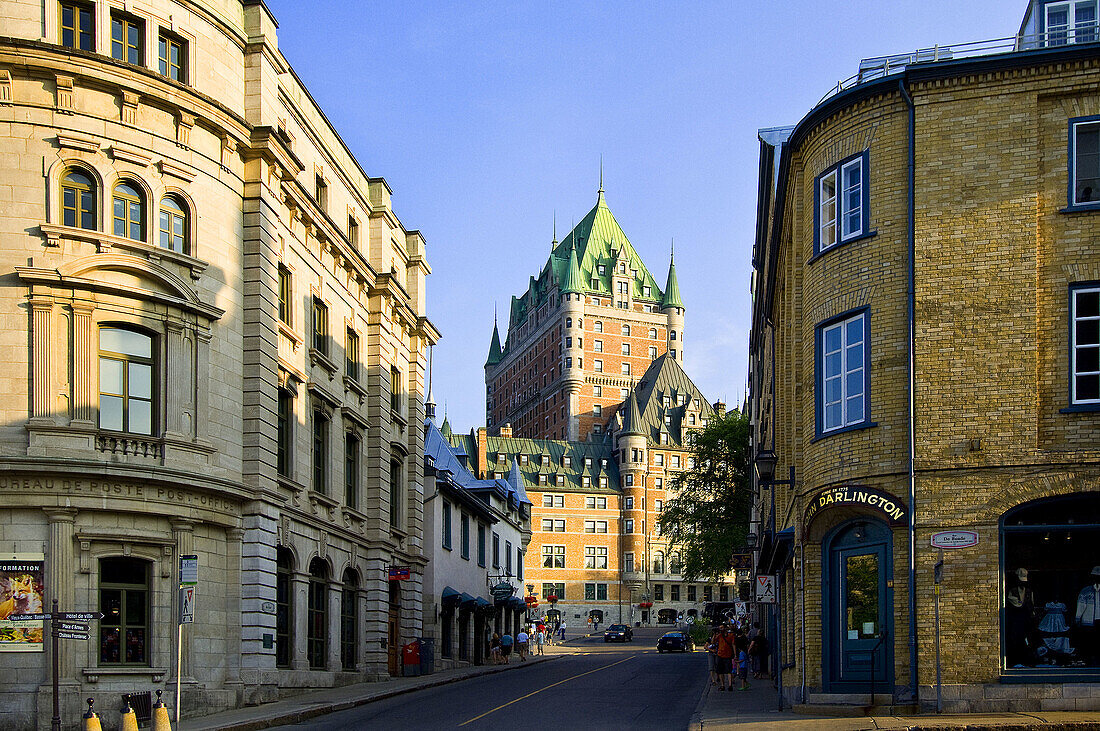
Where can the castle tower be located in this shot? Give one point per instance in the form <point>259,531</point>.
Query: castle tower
<point>631,443</point>
<point>673,308</point>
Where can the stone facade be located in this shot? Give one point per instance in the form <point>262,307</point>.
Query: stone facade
<point>972,411</point>
<point>205,209</point>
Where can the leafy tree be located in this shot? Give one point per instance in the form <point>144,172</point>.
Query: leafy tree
<point>708,518</point>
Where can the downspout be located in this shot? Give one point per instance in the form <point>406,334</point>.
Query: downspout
<point>802,598</point>
<point>912,585</point>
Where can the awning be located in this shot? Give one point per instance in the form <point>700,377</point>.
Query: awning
<point>467,601</point>
<point>777,552</point>
<point>450,597</point>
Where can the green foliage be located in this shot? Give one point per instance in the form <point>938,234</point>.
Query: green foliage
<point>700,633</point>
<point>708,517</point>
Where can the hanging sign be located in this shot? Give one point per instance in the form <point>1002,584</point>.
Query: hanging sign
<point>741,561</point>
<point>954,539</point>
<point>399,573</point>
<point>868,497</point>
<point>21,615</point>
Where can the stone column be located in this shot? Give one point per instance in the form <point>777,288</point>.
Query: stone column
<point>183,531</point>
<point>60,578</point>
<point>41,381</point>
<point>233,605</point>
<point>335,608</point>
<point>299,595</point>
<point>84,400</point>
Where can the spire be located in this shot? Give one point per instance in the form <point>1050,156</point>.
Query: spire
<point>429,402</point>
<point>494,346</point>
<point>573,281</point>
<point>555,241</point>
<point>445,430</point>
<point>672,287</point>
<point>632,424</point>
<point>599,193</point>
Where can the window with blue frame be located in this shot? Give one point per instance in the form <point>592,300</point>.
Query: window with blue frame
<point>1084,161</point>
<point>1084,353</point>
<point>842,203</point>
<point>842,355</point>
<point>1073,21</point>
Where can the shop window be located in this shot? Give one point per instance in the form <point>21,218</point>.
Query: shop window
<point>284,566</point>
<point>317,614</point>
<point>1052,585</point>
<point>349,620</point>
<point>125,381</point>
<point>78,200</point>
<point>124,602</point>
<point>1084,158</point>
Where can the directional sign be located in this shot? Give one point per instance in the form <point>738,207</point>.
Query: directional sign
<point>70,626</point>
<point>187,605</point>
<point>78,616</point>
<point>71,635</point>
<point>26,617</point>
<point>399,573</point>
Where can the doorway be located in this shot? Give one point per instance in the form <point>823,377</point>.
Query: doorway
<point>858,607</point>
<point>393,634</point>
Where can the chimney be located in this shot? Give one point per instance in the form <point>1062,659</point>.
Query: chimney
<point>719,408</point>
<point>481,459</point>
<point>506,430</point>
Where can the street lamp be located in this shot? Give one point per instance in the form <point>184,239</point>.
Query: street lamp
<point>765,463</point>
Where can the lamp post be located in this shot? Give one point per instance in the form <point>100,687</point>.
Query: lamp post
<point>765,463</point>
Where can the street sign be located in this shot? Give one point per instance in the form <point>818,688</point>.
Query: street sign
<point>954,539</point>
<point>741,561</point>
<point>71,635</point>
<point>765,589</point>
<point>70,626</point>
<point>78,616</point>
<point>26,617</point>
<point>187,604</point>
<point>399,573</point>
<point>189,570</point>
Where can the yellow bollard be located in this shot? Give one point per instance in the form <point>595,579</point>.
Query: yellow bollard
<point>129,719</point>
<point>161,722</point>
<point>91,720</point>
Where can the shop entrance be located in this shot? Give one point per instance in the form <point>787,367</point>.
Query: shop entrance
<point>858,637</point>
<point>393,622</point>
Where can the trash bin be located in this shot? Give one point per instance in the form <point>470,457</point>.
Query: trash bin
<point>637,624</point>
<point>410,656</point>
<point>427,655</point>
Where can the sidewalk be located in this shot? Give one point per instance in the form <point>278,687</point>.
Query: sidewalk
<point>316,702</point>
<point>755,710</point>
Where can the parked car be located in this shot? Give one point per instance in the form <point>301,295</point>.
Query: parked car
<point>675,642</point>
<point>619,632</point>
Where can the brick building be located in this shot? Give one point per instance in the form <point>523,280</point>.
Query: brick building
<point>923,371</point>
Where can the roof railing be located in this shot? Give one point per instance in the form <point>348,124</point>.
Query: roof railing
<point>878,67</point>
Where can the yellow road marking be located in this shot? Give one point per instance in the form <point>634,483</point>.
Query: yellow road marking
<point>548,687</point>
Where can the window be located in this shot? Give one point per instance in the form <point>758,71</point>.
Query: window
<point>284,567</point>
<point>653,352</point>
<point>508,558</point>
<point>658,505</point>
<point>628,502</point>
<point>174,234</point>
<point>623,393</point>
<point>77,26</point>
<point>320,450</point>
<point>320,327</point>
<point>553,501</point>
<point>647,291</point>
<point>1085,345</point>
<point>659,592</point>
<point>320,192</point>
<point>285,289</point>
<point>659,460</point>
<point>1071,22</point>
<point>597,365</point>
<point>595,503</point>
<point>353,231</point>
<point>351,470</point>
<point>569,322</point>
<point>723,593</point>
<point>597,345</point>
<point>446,529</point>
<point>125,381</point>
<point>542,480</point>
<point>172,56</point>
<point>569,342</point>
<point>597,326</point>
<point>480,545</point>
<point>395,493</point>
<point>595,592</point>
<point>464,531</point>
<point>567,461</point>
<point>127,37</point>
<point>708,593</point>
<point>597,410</point>
<point>628,562</point>
<point>129,211</point>
<point>544,460</point>
<point>317,614</point>
<point>603,478</point>
<point>842,392</point>
<point>842,202</point>
<point>595,526</point>
<point>1084,155</point>
<point>556,590</point>
<point>284,420</point>
<point>674,565</point>
<point>626,348</point>
<point>78,200</point>
<point>396,387</point>
<point>496,551</point>
<point>692,595</point>
<point>626,329</point>
<point>124,602</point>
<point>351,355</point>
<point>553,557</point>
<point>658,483</point>
<point>625,368</point>
<point>628,525</point>
<point>595,556</point>
<point>674,592</point>
<point>597,391</point>
<point>553,525</point>
<point>659,562</point>
<point>349,620</point>
<point>675,461</point>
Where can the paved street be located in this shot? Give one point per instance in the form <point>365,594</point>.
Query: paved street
<point>602,686</point>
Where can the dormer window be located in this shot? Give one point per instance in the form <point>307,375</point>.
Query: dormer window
<point>587,461</point>
<point>523,459</point>
<point>603,463</point>
<point>544,460</point>
<point>559,480</point>
<point>601,269</point>
<point>566,461</point>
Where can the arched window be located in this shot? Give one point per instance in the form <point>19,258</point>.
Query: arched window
<point>672,334</point>
<point>78,200</point>
<point>569,322</point>
<point>124,602</point>
<point>126,381</point>
<point>659,562</point>
<point>284,565</point>
<point>174,225</point>
<point>317,614</point>
<point>652,333</point>
<point>674,563</point>
<point>349,620</point>
<point>129,211</point>
<point>626,329</point>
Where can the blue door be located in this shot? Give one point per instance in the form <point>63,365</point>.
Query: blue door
<point>858,609</point>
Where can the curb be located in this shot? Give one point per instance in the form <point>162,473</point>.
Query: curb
<point>696,722</point>
<point>305,714</point>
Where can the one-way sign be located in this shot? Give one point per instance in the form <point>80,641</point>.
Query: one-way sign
<point>78,616</point>
<point>71,635</point>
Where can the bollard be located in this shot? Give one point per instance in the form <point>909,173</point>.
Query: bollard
<point>161,721</point>
<point>91,720</point>
<point>129,719</point>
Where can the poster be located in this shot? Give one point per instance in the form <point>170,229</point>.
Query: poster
<point>21,593</point>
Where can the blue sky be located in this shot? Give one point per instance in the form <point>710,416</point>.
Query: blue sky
<point>487,117</point>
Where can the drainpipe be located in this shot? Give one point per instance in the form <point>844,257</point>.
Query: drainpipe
<point>912,586</point>
<point>802,598</point>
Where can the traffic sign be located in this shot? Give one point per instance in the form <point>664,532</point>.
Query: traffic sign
<point>78,616</point>
<point>765,589</point>
<point>189,570</point>
<point>26,617</point>
<point>71,635</point>
<point>187,604</point>
<point>70,626</point>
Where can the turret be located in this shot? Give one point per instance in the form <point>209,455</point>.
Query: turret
<point>572,314</point>
<point>633,471</point>
<point>673,308</point>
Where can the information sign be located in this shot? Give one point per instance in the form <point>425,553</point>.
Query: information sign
<point>78,616</point>
<point>70,626</point>
<point>955,539</point>
<point>399,573</point>
<point>189,570</point>
<point>71,635</point>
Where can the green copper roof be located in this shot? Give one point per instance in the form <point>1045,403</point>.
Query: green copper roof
<point>672,287</point>
<point>587,459</point>
<point>494,347</point>
<point>632,424</point>
<point>574,280</point>
<point>665,377</point>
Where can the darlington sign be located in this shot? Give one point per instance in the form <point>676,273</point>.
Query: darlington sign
<point>856,495</point>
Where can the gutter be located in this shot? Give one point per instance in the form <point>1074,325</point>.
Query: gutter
<point>912,584</point>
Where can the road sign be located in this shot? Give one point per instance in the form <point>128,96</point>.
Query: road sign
<point>71,635</point>
<point>70,626</point>
<point>78,616</point>
<point>187,604</point>
<point>26,617</point>
<point>955,539</point>
<point>399,573</point>
<point>765,589</point>
<point>189,570</point>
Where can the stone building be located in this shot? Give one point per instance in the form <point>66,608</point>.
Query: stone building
<point>216,342</point>
<point>923,373</point>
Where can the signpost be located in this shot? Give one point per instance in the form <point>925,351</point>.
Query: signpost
<point>189,584</point>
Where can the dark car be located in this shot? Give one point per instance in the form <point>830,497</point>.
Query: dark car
<point>619,632</point>
<point>675,642</point>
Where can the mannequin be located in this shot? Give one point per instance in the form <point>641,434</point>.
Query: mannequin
<point>1020,644</point>
<point>1087,617</point>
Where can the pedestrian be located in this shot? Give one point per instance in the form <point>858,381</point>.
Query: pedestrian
<point>743,667</point>
<point>540,638</point>
<point>711,649</point>
<point>494,649</point>
<point>521,645</point>
<point>723,663</point>
<point>563,630</point>
<point>505,646</point>
<point>758,653</point>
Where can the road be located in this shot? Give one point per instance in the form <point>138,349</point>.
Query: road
<point>603,686</point>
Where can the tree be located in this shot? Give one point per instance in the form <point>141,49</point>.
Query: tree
<point>708,518</point>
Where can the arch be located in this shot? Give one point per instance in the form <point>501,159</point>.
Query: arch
<point>79,200</point>
<point>85,163</point>
<point>175,286</point>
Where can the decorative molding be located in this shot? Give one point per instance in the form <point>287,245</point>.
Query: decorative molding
<point>184,122</point>
<point>64,87</point>
<point>77,143</point>
<point>129,106</point>
<point>125,155</point>
<point>7,93</point>
<point>168,167</point>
